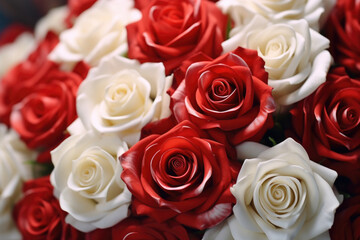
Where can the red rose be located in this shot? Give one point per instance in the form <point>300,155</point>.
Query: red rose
<point>38,214</point>
<point>328,121</point>
<point>347,220</point>
<point>171,31</point>
<point>344,33</point>
<point>42,117</point>
<point>21,79</point>
<point>180,175</point>
<point>228,97</point>
<point>142,228</point>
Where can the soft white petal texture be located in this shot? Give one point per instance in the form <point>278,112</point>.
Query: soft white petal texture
<point>53,21</point>
<point>292,53</point>
<point>281,194</point>
<point>219,232</point>
<point>97,32</point>
<point>16,52</point>
<point>121,96</point>
<point>13,172</point>
<point>314,12</point>
<point>86,179</point>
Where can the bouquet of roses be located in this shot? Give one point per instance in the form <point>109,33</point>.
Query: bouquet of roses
<point>187,119</point>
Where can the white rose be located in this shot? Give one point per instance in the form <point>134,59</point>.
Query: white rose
<point>15,52</point>
<point>295,55</point>
<point>13,172</point>
<point>97,32</point>
<point>53,21</point>
<point>121,96</point>
<point>86,179</point>
<point>281,194</point>
<point>315,12</point>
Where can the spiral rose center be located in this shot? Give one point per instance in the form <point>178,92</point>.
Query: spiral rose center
<point>177,165</point>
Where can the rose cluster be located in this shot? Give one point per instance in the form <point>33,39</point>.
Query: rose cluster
<point>189,119</point>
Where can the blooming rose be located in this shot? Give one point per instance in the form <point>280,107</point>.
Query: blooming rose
<point>344,32</point>
<point>86,180</point>
<point>347,220</point>
<point>328,124</point>
<point>315,12</point>
<point>97,32</point>
<point>179,175</point>
<point>39,216</point>
<point>171,31</point>
<point>143,228</point>
<point>122,96</point>
<point>13,171</point>
<point>29,73</point>
<point>42,117</point>
<point>53,21</point>
<point>294,55</point>
<point>16,51</point>
<point>228,97</point>
<point>281,194</point>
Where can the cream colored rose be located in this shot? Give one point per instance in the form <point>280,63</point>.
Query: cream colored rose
<point>295,55</point>
<point>13,172</point>
<point>86,179</point>
<point>15,52</point>
<point>121,96</point>
<point>280,194</point>
<point>97,32</point>
<point>53,21</point>
<point>315,12</point>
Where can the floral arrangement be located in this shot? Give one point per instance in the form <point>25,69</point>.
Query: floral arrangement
<point>191,119</point>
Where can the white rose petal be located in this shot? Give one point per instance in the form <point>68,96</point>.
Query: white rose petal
<point>13,172</point>
<point>13,53</point>
<point>86,179</point>
<point>295,55</point>
<point>281,194</point>
<point>97,32</point>
<point>315,12</point>
<point>121,96</point>
<point>53,21</point>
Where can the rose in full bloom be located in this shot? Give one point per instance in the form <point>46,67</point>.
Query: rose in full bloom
<point>281,194</point>
<point>344,33</point>
<point>39,216</point>
<point>86,180</point>
<point>143,228</point>
<point>315,12</point>
<point>97,32</point>
<point>295,55</point>
<point>15,51</point>
<point>328,124</point>
<point>13,172</point>
<point>42,117</point>
<point>347,220</point>
<point>179,175</point>
<point>171,31</point>
<point>29,73</point>
<point>228,97</point>
<point>121,96</point>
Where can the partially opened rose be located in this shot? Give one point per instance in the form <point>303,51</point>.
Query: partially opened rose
<point>39,216</point>
<point>295,55</point>
<point>315,12</point>
<point>281,194</point>
<point>97,32</point>
<point>228,97</point>
<point>86,180</point>
<point>344,33</point>
<point>180,175</point>
<point>171,31</point>
<point>121,96</point>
